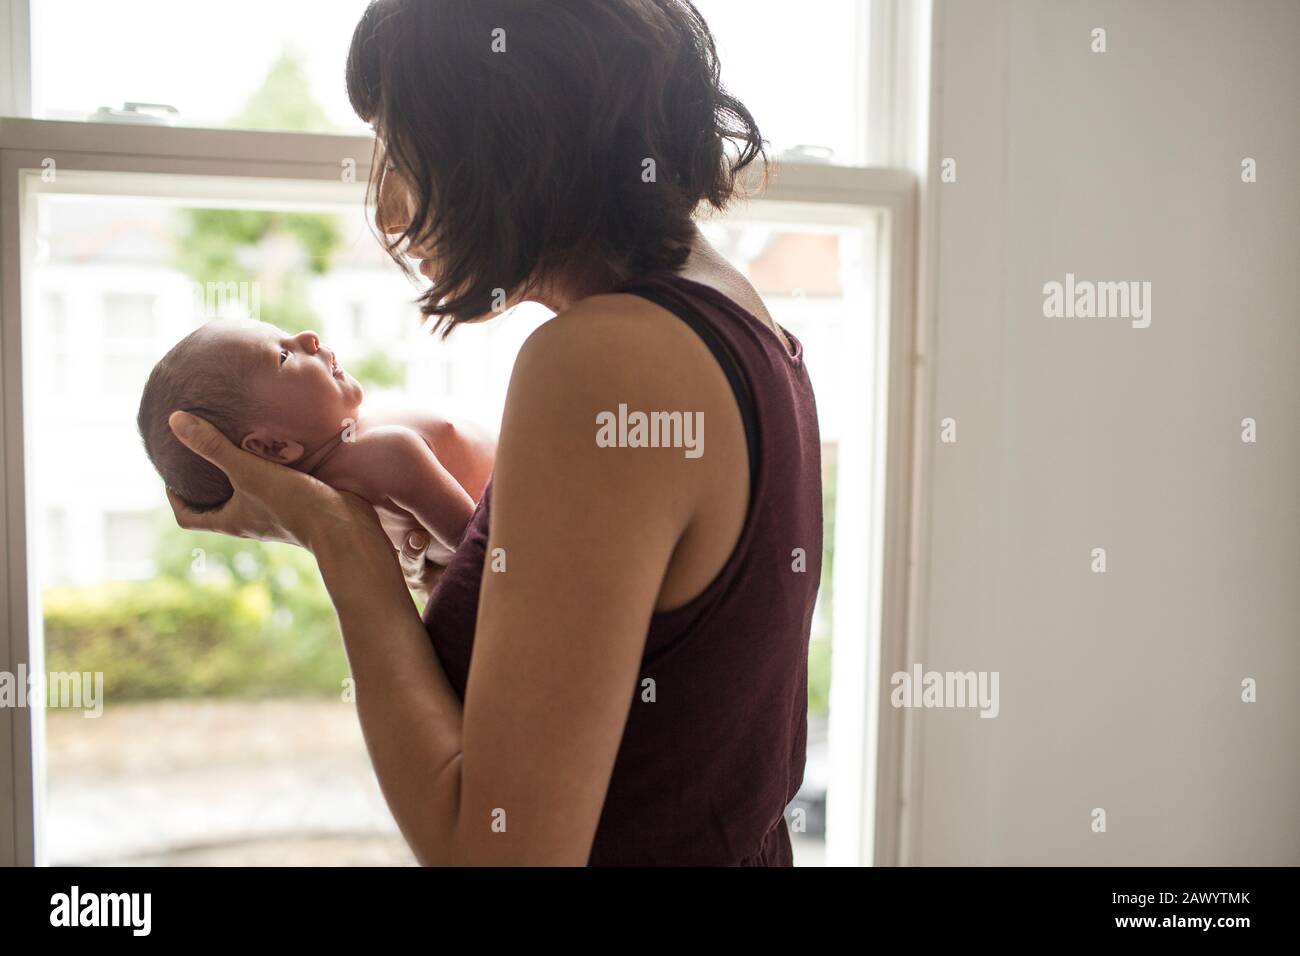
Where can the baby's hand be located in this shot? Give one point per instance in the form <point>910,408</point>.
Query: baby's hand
<point>413,544</point>
<point>437,552</point>
<point>422,575</point>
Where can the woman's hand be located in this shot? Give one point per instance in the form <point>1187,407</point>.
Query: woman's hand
<point>271,502</point>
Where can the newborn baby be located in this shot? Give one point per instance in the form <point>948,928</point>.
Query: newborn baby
<point>286,398</point>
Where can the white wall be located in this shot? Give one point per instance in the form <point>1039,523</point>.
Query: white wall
<point>1118,690</point>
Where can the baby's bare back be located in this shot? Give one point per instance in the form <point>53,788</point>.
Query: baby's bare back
<point>382,460</point>
<point>465,448</point>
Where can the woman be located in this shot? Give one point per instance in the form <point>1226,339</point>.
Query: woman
<point>638,616</point>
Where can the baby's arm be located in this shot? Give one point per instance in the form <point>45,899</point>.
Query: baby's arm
<point>404,471</point>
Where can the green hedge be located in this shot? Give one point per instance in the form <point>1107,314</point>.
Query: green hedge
<point>167,638</point>
<point>253,620</point>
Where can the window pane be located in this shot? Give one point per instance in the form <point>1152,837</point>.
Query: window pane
<point>799,70</point>
<point>253,64</point>
<point>241,63</point>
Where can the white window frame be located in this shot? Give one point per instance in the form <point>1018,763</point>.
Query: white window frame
<point>870,798</point>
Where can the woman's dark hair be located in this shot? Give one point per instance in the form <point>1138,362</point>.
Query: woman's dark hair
<point>539,135</point>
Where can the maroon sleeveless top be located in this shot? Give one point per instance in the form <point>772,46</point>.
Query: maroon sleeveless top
<point>705,771</point>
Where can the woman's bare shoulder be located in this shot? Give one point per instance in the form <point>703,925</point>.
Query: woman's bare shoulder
<point>617,353</point>
<point>612,335</point>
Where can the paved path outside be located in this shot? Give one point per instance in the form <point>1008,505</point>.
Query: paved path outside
<point>223,782</point>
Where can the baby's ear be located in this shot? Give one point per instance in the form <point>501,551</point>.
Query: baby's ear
<point>265,445</point>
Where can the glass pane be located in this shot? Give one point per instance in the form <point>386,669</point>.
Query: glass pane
<point>798,68</point>
<point>241,63</point>
<point>252,64</point>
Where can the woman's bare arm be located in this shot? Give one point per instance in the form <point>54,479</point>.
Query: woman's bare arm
<point>410,716</point>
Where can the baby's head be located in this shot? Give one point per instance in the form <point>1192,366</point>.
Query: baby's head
<point>276,395</point>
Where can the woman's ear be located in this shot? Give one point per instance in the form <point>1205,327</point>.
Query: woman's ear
<point>265,445</point>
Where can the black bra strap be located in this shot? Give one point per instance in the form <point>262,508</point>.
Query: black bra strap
<point>730,367</point>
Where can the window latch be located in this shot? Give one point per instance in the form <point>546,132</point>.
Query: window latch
<point>151,114</point>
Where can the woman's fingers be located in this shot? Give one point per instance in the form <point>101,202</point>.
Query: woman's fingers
<point>182,514</point>
<point>187,519</point>
<point>205,439</point>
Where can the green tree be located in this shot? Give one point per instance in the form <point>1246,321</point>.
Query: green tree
<point>278,251</point>
<point>284,102</point>
<point>378,369</point>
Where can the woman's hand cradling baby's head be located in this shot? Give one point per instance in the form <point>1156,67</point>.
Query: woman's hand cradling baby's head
<point>271,502</point>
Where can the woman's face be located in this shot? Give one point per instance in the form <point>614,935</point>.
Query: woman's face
<point>394,208</point>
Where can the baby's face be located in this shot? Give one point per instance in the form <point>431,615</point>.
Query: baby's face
<point>308,394</point>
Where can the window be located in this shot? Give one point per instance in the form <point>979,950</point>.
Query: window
<point>97,283</point>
